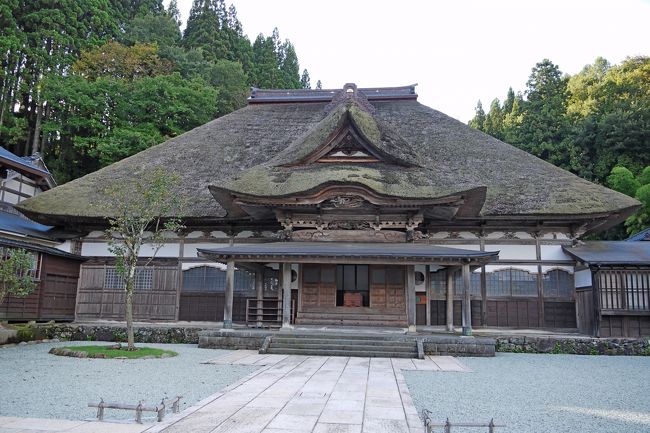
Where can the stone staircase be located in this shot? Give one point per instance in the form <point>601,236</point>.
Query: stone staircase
<point>351,318</point>
<point>324,344</point>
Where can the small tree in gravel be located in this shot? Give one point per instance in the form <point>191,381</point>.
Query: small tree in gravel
<point>143,210</point>
<point>15,273</point>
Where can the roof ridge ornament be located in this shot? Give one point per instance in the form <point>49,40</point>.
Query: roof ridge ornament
<point>350,93</point>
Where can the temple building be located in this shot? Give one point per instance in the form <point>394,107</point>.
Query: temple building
<point>353,206</point>
<point>54,269</point>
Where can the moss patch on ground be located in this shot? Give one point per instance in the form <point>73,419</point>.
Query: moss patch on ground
<point>112,352</point>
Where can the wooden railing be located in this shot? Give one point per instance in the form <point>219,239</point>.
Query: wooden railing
<point>430,426</point>
<point>265,312</point>
<point>624,290</point>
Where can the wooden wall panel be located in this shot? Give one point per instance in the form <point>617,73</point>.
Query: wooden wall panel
<point>585,310</point>
<point>625,326</point>
<point>560,314</point>
<point>208,307</point>
<point>513,313</point>
<point>54,296</point>
<point>439,313</point>
<point>156,304</point>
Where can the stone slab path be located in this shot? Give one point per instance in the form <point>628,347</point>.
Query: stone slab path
<point>292,394</point>
<point>314,394</point>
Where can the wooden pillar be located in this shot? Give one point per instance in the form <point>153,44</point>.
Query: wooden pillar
<point>230,287</point>
<point>410,296</point>
<point>450,299</point>
<point>483,297</point>
<point>427,285</point>
<point>259,294</point>
<point>286,295</point>
<point>467,308</point>
<point>540,285</point>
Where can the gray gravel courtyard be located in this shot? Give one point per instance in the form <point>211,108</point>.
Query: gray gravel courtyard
<point>36,384</point>
<point>540,393</point>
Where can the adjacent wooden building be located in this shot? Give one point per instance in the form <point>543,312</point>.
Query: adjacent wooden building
<point>613,287</point>
<point>354,206</point>
<point>55,268</point>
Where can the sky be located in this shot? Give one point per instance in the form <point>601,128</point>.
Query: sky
<point>458,51</point>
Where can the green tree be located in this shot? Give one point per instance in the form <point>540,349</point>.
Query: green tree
<point>544,123</point>
<point>304,80</point>
<point>96,123</point>
<point>42,39</point>
<point>478,121</point>
<point>15,273</point>
<point>623,180</point>
<point>141,206</point>
<point>119,61</point>
<point>289,67</point>
<point>162,30</point>
<point>493,124</point>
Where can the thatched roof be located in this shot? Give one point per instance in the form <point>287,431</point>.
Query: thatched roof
<point>252,151</point>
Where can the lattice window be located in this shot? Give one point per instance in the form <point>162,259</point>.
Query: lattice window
<point>511,282</point>
<point>558,284</point>
<point>143,279</point>
<point>210,279</point>
<point>438,281</point>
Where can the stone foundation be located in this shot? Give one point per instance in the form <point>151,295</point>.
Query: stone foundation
<point>117,333</point>
<point>459,346</point>
<point>233,339</point>
<point>574,346</point>
<point>253,339</point>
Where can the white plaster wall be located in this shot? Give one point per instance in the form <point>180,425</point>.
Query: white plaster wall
<point>513,252</point>
<point>167,250</point>
<point>583,278</point>
<point>10,197</point>
<point>96,249</point>
<point>65,246</point>
<point>100,249</point>
<point>553,252</point>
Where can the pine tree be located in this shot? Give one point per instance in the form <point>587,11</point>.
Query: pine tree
<point>478,121</point>
<point>304,80</point>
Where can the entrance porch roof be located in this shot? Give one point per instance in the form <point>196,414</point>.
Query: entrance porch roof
<point>335,252</point>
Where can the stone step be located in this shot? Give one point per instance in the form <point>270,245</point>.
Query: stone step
<point>348,315</point>
<point>309,344</point>
<point>336,352</point>
<point>350,322</point>
<point>399,338</point>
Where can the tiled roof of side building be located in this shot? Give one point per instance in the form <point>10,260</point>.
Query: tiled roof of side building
<point>21,163</point>
<point>641,236</point>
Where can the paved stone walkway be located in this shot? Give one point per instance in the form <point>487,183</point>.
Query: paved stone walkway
<point>293,394</point>
<point>313,394</point>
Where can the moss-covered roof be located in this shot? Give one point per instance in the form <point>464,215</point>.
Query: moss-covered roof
<point>247,151</point>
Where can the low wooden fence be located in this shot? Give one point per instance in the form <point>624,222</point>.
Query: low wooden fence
<point>446,427</point>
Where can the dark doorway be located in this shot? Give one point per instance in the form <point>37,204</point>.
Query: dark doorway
<point>352,287</point>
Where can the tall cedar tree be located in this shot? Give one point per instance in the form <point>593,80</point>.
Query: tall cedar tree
<point>80,118</point>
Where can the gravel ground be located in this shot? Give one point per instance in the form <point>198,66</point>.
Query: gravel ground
<point>34,383</point>
<point>540,393</point>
